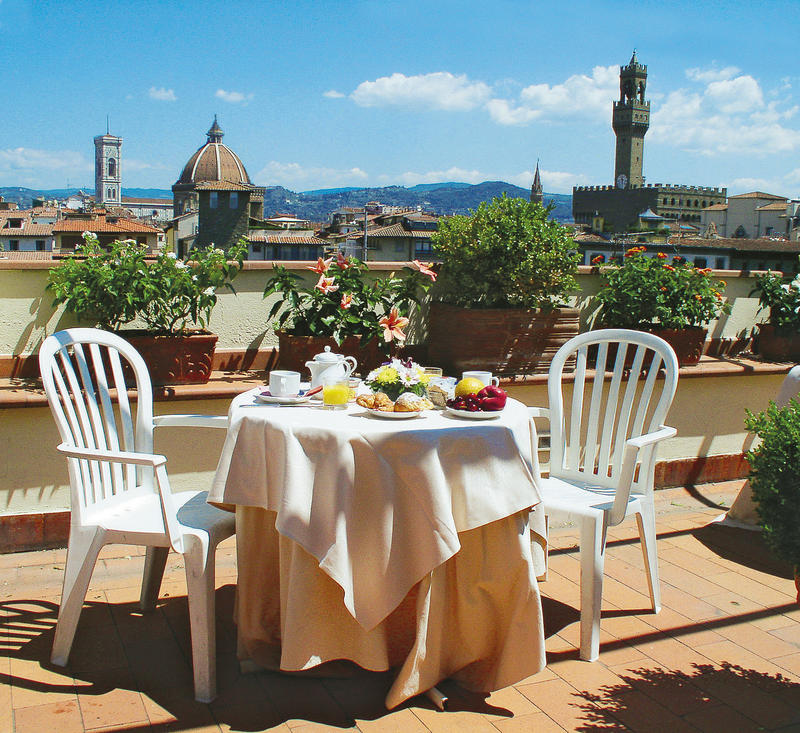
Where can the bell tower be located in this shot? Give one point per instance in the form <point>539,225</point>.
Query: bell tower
<point>108,170</point>
<point>630,122</point>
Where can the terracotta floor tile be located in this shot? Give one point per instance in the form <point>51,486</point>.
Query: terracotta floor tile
<point>789,634</point>
<point>731,653</point>
<point>438,721</point>
<point>534,723</point>
<point>641,713</point>
<point>32,684</point>
<point>120,705</point>
<point>759,642</point>
<point>561,702</point>
<point>718,718</point>
<point>65,716</point>
<point>396,721</point>
<point>754,589</point>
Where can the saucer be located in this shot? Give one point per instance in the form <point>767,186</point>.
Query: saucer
<point>393,415</point>
<point>467,415</point>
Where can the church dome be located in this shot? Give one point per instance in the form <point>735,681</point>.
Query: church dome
<point>214,161</point>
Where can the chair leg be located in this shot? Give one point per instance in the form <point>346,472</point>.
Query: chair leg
<point>199,561</point>
<point>82,551</point>
<point>647,533</point>
<point>154,563</point>
<point>593,547</point>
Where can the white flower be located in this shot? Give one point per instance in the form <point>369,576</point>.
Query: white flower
<point>172,255</point>
<point>180,265</point>
<point>209,291</point>
<point>88,235</point>
<point>785,287</point>
<point>194,278</point>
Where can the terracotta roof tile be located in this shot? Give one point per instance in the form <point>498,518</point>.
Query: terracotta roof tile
<point>278,238</point>
<point>741,245</point>
<point>222,186</point>
<point>99,224</point>
<point>29,230</point>
<point>393,230</point>
<point>128,200</point>
<point>758,195</point>
<point>716,207</point>
<point>777,206</point>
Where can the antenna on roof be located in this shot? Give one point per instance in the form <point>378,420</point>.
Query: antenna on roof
<point>108,127</point>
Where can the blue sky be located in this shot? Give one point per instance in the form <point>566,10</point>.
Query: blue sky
<point>320,93</point>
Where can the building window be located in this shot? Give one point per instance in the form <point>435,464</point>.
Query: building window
<point>234,200</point>
<point>720,264</point>
<point>13,245</point>
<point>40,245</point>
<point>399,246</point>
<point>700,262</point>
<point>213,200</point>
<point>112,168</point>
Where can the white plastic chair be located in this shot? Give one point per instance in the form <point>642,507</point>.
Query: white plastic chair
<point>120,492</point>
<point>604,428</point>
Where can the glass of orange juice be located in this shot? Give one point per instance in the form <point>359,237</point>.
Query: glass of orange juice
<point>335,394</point>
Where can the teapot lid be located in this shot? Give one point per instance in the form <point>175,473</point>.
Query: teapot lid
<point>326,357</point>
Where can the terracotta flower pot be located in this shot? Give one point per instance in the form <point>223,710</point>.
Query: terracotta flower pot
<point>775,345</point>
<point>295,351</point>
<point>175,359</point>
<point>687,342</point>
<point>506,341</point>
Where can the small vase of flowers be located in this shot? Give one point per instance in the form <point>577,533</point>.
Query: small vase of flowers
<point>395,377</point>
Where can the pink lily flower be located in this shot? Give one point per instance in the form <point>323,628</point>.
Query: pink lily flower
<point>347,301</point>
<point>393,326</point>
<point>325,284</point>
<point>322,265</point>
<point>425,269</point>
<point>342,261</point>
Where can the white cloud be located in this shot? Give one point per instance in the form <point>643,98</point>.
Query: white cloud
<point>552,181</point>
<point>581,95</point>
<point>728,116</point>
<point>713,74</point>
<point>333,94</point>
<point>746,184</point>
<point>233,97</point>
<point>793,176</point>
<point>130,165</point>
<point>162,94</point>
<point>438,90</point>
<point>412,178</point>
<point>40,168</point>
<point>295,177</point>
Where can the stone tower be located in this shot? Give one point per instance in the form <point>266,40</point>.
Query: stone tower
<point>108,170</point>
<point>630,122</point>
<point>537,192</point>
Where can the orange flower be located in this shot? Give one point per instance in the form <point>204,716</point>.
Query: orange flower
<point>598,260</point>
<point>322,266</point>
<point>669,267</point>
<point>425,269</point>
<point>325,284</point>
<point>393,325</point>
<point>347,301</point>
<point>661,256</point>
<point>698,297</point>
<point>342,261</point>
<point>663,289</point>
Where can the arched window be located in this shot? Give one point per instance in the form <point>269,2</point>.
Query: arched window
<point>672,202</point>
<point>110,193</point>
<point>112,167</point>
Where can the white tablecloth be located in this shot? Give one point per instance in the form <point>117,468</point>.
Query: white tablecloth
<point>379,505</point>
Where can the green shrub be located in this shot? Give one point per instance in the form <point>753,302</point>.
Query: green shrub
<point>775,476</point>
<point>506,254</point>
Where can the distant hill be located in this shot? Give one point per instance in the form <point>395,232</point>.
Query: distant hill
<point>439,198</point>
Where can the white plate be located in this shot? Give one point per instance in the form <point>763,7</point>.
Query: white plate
<point>393,415</point>
<point>473,415</point>
<point>272,400</point>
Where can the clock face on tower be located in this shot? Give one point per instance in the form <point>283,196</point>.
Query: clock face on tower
<point>622,180</point>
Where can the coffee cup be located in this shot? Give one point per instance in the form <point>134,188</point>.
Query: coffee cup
<point>284,383</point>
<point>484,378</point>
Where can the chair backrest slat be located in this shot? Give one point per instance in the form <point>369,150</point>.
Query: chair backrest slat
<point>627,394</point>
<point>84,375</point>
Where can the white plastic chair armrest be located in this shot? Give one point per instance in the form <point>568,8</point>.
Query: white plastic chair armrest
<point>641,441</point>
<point>191,421</point>
<point>153,460</point>
<point>630,455</point>
<point>539,412</point>
<point>96,454</point>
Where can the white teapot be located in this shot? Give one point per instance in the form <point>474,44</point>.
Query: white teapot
<point>327,367</point>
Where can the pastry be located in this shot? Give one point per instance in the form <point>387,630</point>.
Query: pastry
<point>409,402</point>
<point>375,401</point>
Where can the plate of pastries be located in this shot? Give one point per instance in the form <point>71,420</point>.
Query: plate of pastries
<point>407,405</point>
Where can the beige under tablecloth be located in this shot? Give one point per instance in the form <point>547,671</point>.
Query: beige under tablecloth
<point>476,618</point>
<point>378,503</point>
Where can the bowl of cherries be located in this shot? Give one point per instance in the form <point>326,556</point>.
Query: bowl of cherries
<point>482,405</point>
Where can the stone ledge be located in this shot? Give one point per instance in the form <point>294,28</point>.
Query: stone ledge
<point>28,392</point>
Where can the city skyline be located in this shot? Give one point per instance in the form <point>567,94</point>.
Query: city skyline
<point>332,94</point>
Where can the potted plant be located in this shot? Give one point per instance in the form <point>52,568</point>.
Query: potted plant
<point>774,468</point>
<point>663,295</point>
<point>507,271</point>
<point>121,284</point>
<point>779,338</point>
<point>347,309</point>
